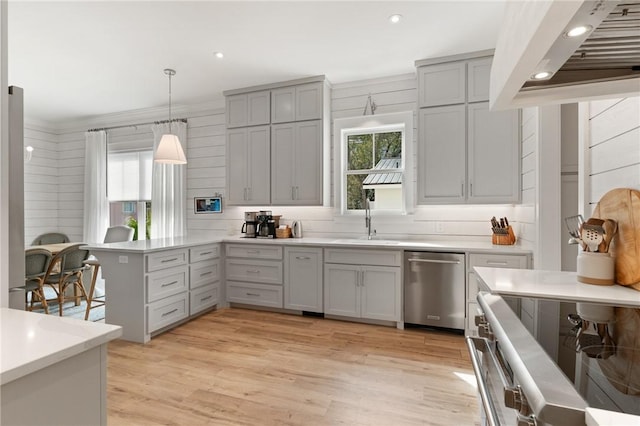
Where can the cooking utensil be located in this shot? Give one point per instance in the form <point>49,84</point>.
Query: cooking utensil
<point>574,225</point>
<point>591,235</point>
<point>610,228</point>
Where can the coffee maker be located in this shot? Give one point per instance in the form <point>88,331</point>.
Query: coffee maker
<point>266,227</point>
<point>250,225</point>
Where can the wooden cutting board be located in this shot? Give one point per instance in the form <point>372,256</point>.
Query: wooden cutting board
<point>623,206</point>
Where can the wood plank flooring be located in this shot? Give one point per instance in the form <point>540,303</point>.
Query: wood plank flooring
<point>243,367</point>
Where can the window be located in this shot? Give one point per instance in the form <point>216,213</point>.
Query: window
<point>129,190</point>
<point>373,161</point>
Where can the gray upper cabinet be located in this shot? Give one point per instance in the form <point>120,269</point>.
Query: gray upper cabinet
<point>493,158</point>
<point>297,103</point>
<point>248,109</point>
<point>275,139</point>
<point>296,153</point>
<point>478,72</point>
<point>442,84</point>
<point>442,153</point>
<point>466,153</point>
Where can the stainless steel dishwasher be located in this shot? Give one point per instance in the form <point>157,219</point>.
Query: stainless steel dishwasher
<point>434,289</point>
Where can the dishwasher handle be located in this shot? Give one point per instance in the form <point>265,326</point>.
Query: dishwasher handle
<point>449,262</point>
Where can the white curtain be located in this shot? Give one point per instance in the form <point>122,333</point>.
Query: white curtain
<point>96,204</point>
<point>168,187</point>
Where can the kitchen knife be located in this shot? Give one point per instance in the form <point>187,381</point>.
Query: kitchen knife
<point>506,222</point>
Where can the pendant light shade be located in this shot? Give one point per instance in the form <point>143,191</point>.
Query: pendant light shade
<point>169,149</point>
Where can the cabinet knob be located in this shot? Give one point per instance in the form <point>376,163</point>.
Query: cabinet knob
<point>514,398</point>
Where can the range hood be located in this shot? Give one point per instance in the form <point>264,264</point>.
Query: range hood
<point>603,62</point>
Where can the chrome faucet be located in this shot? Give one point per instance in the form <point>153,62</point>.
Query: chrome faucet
<point>367,218</point>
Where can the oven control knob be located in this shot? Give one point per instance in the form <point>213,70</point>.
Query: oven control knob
<point>480,320</point>
<point>484,330</point>
<point>513,398</point>
<point>526,420</point>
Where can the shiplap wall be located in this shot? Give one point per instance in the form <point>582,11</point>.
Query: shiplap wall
<point>206,175</point>
<point>41,187</point>
<point>612,148</point>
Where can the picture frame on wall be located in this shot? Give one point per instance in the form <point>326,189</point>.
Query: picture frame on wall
<point>203,205</point>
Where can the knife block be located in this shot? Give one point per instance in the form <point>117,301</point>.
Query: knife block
<point>507,238</point>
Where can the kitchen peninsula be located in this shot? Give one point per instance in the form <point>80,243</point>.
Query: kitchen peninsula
<point>53,370</point>
<point>154,285</point>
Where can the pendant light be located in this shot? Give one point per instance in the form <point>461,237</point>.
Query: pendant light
<point>169,149</point>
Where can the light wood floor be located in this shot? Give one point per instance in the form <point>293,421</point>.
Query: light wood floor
<point>244,367</point>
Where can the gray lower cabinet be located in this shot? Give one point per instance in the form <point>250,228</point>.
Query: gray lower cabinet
<point>363,284</point>
<point>153,291</point>
<point>254,274</point>
<point>303,279</point>
<point>519,306</point>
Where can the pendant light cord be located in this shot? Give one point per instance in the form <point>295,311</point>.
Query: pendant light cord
<point>170,73</point>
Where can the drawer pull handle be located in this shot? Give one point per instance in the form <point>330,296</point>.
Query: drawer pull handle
<point>205,253</point>
<point>169,260</point>
<point>253,294</point>
<point>206,273</point>
<point>173,311</point>
<point>253,251</point>
<point>253,271</point>
<point>168,284</point>
<point>302,258</point>
<point>494,262</point>
<point>205,298</point>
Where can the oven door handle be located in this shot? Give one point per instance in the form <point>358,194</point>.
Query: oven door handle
<point>487,404</point>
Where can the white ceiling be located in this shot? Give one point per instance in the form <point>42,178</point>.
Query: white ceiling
<point>80,59</point>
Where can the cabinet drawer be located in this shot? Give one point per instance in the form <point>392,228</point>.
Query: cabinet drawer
<point>198,254</point>
<point>166,283</point>
<point>166,259</point>
<point>167,311</point>
<point>254,251</point>
<point>254,294</point>
<point>261,271</point>
<point>498,260</point>
<point>204,298</point>
<point>204,273</point>
<point>363,257</point>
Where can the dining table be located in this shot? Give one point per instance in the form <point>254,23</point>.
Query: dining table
<point>54,248</point>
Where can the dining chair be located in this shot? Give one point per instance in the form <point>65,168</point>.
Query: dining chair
<point>36,262</point>
<point>115,234</point>
<point>66,269</point>
<point>50,238</point>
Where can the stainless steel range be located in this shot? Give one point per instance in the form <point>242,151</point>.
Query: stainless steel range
<point>518,383</point>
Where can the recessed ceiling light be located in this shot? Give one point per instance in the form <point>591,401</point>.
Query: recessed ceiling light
<point>394,19</point>
<point>541,75</point>
<point>219,55</point>
<point>578,31</point>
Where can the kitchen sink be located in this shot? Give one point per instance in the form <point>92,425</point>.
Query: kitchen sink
<point>366,241</point>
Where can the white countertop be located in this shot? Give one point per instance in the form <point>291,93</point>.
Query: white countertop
<point>30,341</point>
<point>147,246</point>
<point>554,285</point>
<point>597,417</point>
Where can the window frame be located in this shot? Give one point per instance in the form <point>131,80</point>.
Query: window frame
<point>343,127</point>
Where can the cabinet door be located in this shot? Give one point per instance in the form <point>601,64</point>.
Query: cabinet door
<point>442,84</point>
<point>259,165</point>
<point>380,293</point>
<point>494,155</point>
<point>441,155</point>
<point>258,108</point>
<point>308,104</point>
<point>237,160</point>
<point>283,105</point>
<point>342,290</point>
<point>478,71</point>
<point>307,163</point>
<point>236,110</point>
<point>303,279</point>
<point>283,153</point>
